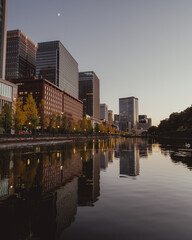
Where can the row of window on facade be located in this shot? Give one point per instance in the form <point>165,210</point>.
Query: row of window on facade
<point>5,90</point>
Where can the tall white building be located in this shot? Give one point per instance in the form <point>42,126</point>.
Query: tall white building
<point>3,36</point>
<point>128,113</point>
<point>56,64</point>
<point>104,112</point>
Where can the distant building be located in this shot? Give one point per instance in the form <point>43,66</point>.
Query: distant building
<point>116,118</point>
<point>110,116</point>
<point>144,122</point>
<point>21,55</point>
<point>89,93</point>
<point>128,113</point>
<point>104,112</point>
<point>3,37</point>
<point>55,99</point>
<point>56,64</point>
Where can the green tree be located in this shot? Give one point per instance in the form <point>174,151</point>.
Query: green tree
<point>96,127</point>
<point>19,117</point>
<point>6,118</point>
<point>31,112</point>
<point>89,126</point>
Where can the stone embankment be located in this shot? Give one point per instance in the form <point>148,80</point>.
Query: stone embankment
<point>29,141</point>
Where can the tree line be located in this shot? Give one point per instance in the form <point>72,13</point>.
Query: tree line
<point>31,118</point>
<point>176,122</point>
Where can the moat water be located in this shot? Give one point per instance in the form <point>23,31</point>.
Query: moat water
<point>108,189</point>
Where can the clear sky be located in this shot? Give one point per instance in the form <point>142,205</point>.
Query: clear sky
<point>140,48</point>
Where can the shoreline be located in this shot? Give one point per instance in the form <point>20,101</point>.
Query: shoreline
<point>20,142</point>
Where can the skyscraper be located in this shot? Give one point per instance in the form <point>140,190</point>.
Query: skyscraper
<point>21,55</point>
<point>8,90</point>
<point>128,113</point>
<point>104,112</point>
<point>57,65</point>
<point>3,37</point>
<point>89,93</point>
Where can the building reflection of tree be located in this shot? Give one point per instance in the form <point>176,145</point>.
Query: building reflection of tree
<point>178,151</point>
<point>35,178</point>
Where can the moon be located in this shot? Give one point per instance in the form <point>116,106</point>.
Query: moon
<point>59,14</point>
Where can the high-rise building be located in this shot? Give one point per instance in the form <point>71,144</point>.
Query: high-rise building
<point>104,112</point>
<point>89,93</point>
<point>128,113</point>
<point>8,90</point>
<point>3,37</point>
<point>21,55</point>
<point>56,64</point>
<point>110,116</point>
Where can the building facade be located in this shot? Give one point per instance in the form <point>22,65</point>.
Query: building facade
<point>21,55</point>
<point>8,93</point>
<point>128,113</point>
<point>56,100</point>
<point>89,94</point>
<point>110,116</point>
<point>104,112</point>
<point>3,37</point>
<point>144,122</point>
<point>56,64</point>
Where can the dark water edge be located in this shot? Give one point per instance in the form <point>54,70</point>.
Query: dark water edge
<point>114,188</point>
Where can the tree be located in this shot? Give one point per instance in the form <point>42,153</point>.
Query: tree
<point>31,112</point>
<point>153,130</point>
<point>6,118</point>
<point>89,126</point>
<point>96,127</point>
<point>19,117</point>
<point>52,123</point>
<point>84,125</point>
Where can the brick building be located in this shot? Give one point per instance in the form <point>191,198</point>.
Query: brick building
<point>56,100</point>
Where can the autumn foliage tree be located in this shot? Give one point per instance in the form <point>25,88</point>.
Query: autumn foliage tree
<point>31,112</point>
<point>19,117</point>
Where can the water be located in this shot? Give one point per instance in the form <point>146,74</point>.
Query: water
<point>114,189</point>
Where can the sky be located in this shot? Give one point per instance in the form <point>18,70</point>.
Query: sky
<point>140,48</point>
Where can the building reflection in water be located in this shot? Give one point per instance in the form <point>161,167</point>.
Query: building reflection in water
<point>38,191</point>
<point>129,152</point>
<point>89,182</point>
<point>42,187</point>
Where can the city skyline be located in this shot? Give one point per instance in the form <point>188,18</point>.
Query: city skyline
<point>137,48</point>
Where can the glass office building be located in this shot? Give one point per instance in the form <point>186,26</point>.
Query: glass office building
<point>89,94</point>
<point>3,37</point>
<point>128,113</point>
<point>56,64</point>
<point>21,55</point>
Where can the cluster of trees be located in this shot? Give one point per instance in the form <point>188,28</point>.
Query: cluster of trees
<point>176,122</point>
<point>32,118</point>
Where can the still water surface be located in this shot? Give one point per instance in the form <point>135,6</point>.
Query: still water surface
<point>108,189</point>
